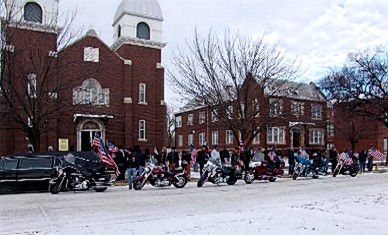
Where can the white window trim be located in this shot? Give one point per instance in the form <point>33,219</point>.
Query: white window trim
<point>180,140</point>
<point>301,108</point>
<point>201,117</point>
<point>190,139</point>
<point>313,108</point>
<point>201,138</point>
<point>214,137</point>
<point>277,129</point>
<point>229,112</point>
<point>229,133</point>
<point>31,85</point>
<point>178,121</point>
<point>214,115</point>
<point>145,133</point>
<point>143,100</point>
<point>271,102</point>
<point>313,132</point>
<point>190,119</point>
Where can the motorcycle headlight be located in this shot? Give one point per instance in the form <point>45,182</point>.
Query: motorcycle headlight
<point>60,171</point>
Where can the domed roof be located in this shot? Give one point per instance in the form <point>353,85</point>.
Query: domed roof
<point>143,8</point>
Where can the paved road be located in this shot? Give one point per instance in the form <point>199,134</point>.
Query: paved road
<point>296,207</point>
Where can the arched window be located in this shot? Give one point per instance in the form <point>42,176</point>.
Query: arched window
<point>33,12</point>
<point>119,31</point>
<point>143,31</point>
<point>90,93</point>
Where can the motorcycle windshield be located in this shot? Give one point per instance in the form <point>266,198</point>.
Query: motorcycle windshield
<point>258,157</point>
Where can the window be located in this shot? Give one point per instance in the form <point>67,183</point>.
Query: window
<point>178,121</point>
<point>180,140</point>
<point>91,54</point>
<point>31,85</point>
<point>35,163</point>
<point>329,146</point>
<point>91,93</point>
<point>190,119</point>
<point>256,107</point>
<point>229,137</point>
<point>256,139</point>
<point>142,130</point>
<point>242,111</point>
<point>142,93</point>
<point>316,136</point>
<point>229,112</point>
<point>143,31</point>
<point>119,31</point>
<point>275,107</point>
<point>214,116</point>
<point>297,108</point>
<point>33,12</point>
<point>215,137</point>
<point>316,111</point>
<point>190,139</point>
<point>202,117</point>
<point>330,130</point>
<point>8,164</point>
<point>275,135</point>
<point>202,138</point>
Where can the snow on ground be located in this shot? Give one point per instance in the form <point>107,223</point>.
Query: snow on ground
<point>341,205</point>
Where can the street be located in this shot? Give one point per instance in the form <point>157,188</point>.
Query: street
<point>341,205</point>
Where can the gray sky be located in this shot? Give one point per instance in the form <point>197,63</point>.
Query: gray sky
<point>319,32</point>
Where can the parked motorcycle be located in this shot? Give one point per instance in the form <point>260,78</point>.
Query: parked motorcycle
<point>217,174</point>
<point>160,178</point>
<point>304,168</point>
<point>346,166</point>
<point>260,169</point>
<point>69,176</point>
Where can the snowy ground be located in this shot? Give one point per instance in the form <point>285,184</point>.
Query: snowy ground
<point>341,205</point>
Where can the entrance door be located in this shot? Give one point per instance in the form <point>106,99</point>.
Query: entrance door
<point>295,138</point>
<point>86,139</point>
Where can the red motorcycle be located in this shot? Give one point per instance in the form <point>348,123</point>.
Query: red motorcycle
<point>160,178</point>
<point>260,169</point>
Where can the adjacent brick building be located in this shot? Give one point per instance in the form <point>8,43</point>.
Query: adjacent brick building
<point>303,122</point>
<point>116,91</point>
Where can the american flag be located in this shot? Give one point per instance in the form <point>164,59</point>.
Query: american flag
<point>102,152</point>
<point>376,154</point>
<point>194,153</point>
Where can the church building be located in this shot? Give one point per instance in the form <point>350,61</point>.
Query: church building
<point>76,90</point>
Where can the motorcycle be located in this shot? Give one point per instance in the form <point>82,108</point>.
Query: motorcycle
<point>216,175</point>
<point>346,166</point>
<point>160,178</point>
<point>259,169</point>
<point>68,176</point>
<point>304,168</point>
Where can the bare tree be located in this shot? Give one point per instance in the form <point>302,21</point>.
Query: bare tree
<point>30,72</point>
<point>170,119</point>
<point>361,84</point>
<point>233,72</point>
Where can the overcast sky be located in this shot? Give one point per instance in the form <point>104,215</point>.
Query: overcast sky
<point>319,32</point>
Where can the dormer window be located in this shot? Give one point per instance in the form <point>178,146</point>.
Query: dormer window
<point>33,12</point>
<point>143,31</point>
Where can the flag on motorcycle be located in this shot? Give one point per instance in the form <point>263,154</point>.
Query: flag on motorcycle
<point>376,154</point>
<point>102,152</point>
<point>194,153</point>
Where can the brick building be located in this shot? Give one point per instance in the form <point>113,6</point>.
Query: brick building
<point>303,122</point>
<point>116,91</point>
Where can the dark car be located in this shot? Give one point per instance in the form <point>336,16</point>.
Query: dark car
<point>32,172</point>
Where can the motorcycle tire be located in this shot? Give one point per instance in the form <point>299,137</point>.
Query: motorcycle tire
<point>99,190</point>
<point>200,183</point>
<point>315,176</point>
<point>294,176</point>
<point>54,188</point>
<point>353,174</point>
<point>249,178</point>
<point>272,179</point>
<point>138,185</point>
<point>335,173</point>
<point>180,182</point>
<point>232,180</point>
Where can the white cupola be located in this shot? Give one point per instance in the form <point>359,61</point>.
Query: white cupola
<point>138,22</point>
<point>38,14</point>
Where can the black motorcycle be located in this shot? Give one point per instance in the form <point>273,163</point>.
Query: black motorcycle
<point>217,175</point>
<point>69,176</point>
<point>346,166</point>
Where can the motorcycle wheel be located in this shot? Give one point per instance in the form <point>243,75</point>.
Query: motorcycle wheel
<point>353,174</point>
<point>249,178</point>
<point>180,182</point>
<point>232,180</point>
<point>54,188</point>
<point>294,176</point>
<point>99,190</point>
<point>315,176</point>
<point>335,173</point>
<point>200,183</point>
<point>138,185</point>
<point>272,179</point>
